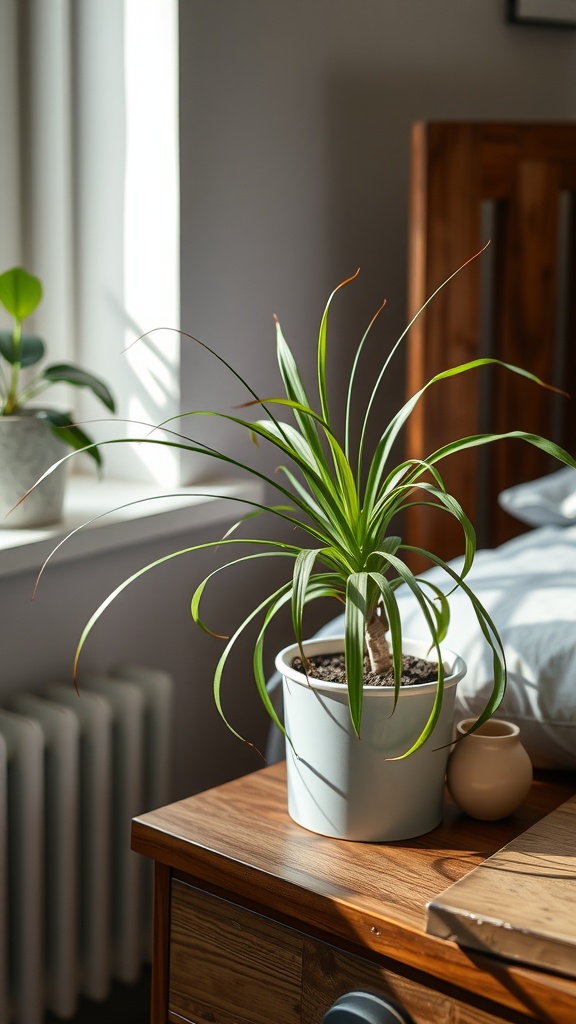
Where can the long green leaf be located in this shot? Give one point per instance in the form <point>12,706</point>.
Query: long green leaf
<point>201,450</point>
<point>354,630</point>
<point>217,678</point>
<point>316,590</point>
<point>212,352</point>
<point>300,582</point>
<point>345,484</point>
<point>338,498</point>
<point>411,581</point>
<point>285,550</point>
<point>296,392</point>
<point>318,476</point>
<point>350,390</point>
<point>322,342</point>
<point>162,497</point>
<point>438,606</point>
<point>146,568</point>
<point>289,437</point>
<point>389,436</point>
<point>318,514</point>
<point>545,445</point>
<point>488,630</point>
<point>400,479</point>
<point>344,488</point>
<point>399,342</point>
<point>448,502</point>
<point>70,433</point>
<point>272,605</point>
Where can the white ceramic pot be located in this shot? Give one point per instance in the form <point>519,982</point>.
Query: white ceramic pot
<point>489,772</point>
<point>348,788</point>
<point>27,449</point>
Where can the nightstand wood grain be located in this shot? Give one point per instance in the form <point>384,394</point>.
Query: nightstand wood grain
<point>259,921</point>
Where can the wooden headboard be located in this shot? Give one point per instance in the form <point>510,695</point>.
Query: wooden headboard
<point>514,184</point>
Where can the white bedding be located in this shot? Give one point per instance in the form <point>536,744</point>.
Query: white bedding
<point>528,586</point>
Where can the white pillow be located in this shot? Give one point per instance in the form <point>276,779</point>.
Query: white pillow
<point>548,501</point>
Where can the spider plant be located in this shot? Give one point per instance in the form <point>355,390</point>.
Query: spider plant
<point>21,294</point>
<point>344,505</point>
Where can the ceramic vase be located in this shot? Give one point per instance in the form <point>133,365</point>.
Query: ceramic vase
<point>27,449</point>
<point>489,772</point>
<point>347,787</point>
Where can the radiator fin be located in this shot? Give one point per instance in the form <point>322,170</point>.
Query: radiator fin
<point>74,899</point>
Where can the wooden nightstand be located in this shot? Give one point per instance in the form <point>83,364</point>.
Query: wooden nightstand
<point>257,921</point>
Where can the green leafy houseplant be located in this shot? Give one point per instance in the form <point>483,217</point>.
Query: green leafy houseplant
<point>342,506</point>
<point>20,295</point>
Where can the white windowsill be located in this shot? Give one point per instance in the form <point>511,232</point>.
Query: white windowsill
<point>161,512</point>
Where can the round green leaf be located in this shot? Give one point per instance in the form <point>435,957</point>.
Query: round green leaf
<point>69,432</point>
<point>20,292</point>
<point>70,374</point>
<point>30,350</point>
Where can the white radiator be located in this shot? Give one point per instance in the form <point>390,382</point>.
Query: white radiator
<point>75,902</point>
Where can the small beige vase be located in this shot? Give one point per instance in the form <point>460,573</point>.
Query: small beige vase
<point>489,772</point>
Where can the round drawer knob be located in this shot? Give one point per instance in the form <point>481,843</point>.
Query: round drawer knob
<point>365,1008</point>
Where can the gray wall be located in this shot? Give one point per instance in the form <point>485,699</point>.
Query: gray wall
<point>295,150</point>
<point>295,132</point>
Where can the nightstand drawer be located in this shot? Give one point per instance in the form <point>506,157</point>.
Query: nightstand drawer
<point>329,972</point>
<point>229,965</point>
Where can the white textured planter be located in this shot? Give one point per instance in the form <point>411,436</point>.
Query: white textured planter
<point>27,449</point>
<point>348,788</point>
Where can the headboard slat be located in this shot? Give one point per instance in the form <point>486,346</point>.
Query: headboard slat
<point>456,167</point>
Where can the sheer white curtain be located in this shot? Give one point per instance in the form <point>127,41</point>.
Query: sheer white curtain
<point>10,232</point>
<point>89,195</point>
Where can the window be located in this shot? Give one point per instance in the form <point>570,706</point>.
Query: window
<point>89,182</point>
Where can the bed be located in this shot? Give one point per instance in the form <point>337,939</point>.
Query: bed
<point>515,183</point>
